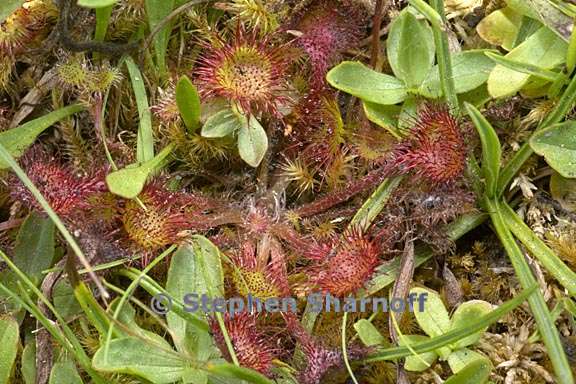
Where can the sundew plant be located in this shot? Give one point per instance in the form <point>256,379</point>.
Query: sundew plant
<point>180,177</point>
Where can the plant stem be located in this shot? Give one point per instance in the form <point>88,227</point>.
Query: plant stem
<point>444,59</point>
<point>344,349</point>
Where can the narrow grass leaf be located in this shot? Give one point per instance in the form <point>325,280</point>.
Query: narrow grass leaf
<point>546,327</point>
<point>145,139</point>
<point>158,10</point>
<point>527,68</point>
<point>549,260</point>
<point>375,203</point>
<point>17,140</point>
<point>491,149</point>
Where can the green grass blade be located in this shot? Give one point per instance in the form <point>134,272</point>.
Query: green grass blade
<point>544,320</point>
<point>540,250</point>
<point>17,140</point>
<point>158,10</point>
<point>530,69</point>
<point>491,149</point>
<point>375,203</point>
<point>145,141</point>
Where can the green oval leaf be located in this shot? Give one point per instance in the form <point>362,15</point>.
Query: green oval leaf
<point>470,69</point>
<point>466,313</point>
<point>222,123</point>
<point>434,320</point>
<point>17,140</point>
<point>360,81</point>
<point>558,146</point>
<point>368,333</point>
<point>129,182</point>
<point>500,27</point>
<point>136,357</point>
<point>410,48</point>
<point>232,371</point>
<point>385,116</point>
<point>9,340</point>
<point>543,49</point>
<point>422,361</point>
<point>252,141</point>
<point>186,275</point>
<point>64,373</point>
<point>188,103</point>
<point>477,372</point>
<point>460,359</point>
<point>96,3</point>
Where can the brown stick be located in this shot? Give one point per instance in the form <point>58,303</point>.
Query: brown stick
<point>376,24</point>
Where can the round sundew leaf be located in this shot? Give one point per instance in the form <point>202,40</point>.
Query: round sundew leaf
<point>358,80</point>
<point>558,146</point>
